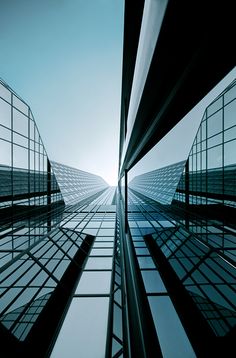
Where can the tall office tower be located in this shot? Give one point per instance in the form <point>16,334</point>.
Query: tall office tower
<point>148,269</point>
<point>183,231</point>
<point>177,223</point>
<point>51,238</point>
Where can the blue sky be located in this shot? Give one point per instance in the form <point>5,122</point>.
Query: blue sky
<point>64,58</point>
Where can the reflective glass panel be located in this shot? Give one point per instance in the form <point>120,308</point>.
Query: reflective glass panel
<point>153,282</point>
<point>83,333</point>
<point>172,337</point>
<point>93,282</point>
<point>97,263</point>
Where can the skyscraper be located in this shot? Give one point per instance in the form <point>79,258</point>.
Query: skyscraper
<point>146,269</point>
<point>185,240</point>
<point>175,244</point>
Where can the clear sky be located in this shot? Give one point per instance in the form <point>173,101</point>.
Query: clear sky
<point>64,58</point>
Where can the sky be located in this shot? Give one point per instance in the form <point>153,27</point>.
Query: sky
<point>64,58</point>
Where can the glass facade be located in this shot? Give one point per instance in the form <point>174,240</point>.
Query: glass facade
<point>160,184</point>
<point>58,248</point>
<point>92,298</point>
<point>27,181</point>
<point>148,268</point>
<point>210,170</point>
<point>70,179</point>
<point>180,233</point>
<point>143,270</point>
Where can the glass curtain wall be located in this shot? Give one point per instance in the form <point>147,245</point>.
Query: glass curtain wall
<point>26,178</point>
<point>59,264</point>
<point>181,229</point>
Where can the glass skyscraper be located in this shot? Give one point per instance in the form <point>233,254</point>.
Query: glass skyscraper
<point>57,228</point>
<point>145,269</point>
<point>184,241</point>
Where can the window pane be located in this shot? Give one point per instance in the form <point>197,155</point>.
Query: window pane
<point>20,123</point>
<point>97,263</point>
<point>214,157</point>
<point>230,115</point>
<point>90,231</point>
<point>103,244</point>
<point>229,95</point>
<point>145,262</point>
<point>5,93</point>
<point>5,114</point>
<point>20,157</point>
<point>215,140</point>
<point>214,124</point>
<point>101,252</point>
<point>19,139</point>
<point>108,224</point>
<point>172,337</point>
<point>230,134</point>
<point>20,105</point>
<point>214,106</point>
<point>5,153</point>
<point>142,251</point>
<point>5,133</point>
<point>106,232</point>
<point>229,153</point>
<point>83,333</point>
<point>93,282</point>
<point>153,282</point>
